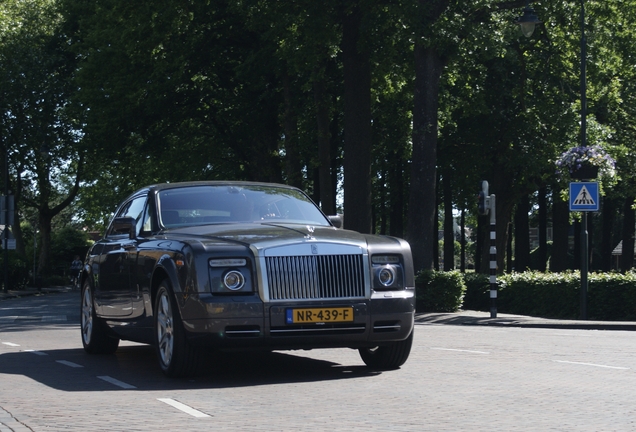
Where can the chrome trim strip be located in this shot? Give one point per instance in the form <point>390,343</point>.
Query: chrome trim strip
<point>401,294</point>
<point>391,327</point>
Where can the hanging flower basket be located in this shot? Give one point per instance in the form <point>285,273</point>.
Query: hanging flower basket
<point>585,163</point>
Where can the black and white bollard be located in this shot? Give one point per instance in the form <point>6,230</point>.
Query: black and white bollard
<point>493,259</point>
<point>486,205</point>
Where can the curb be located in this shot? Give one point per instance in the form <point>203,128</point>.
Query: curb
<point>477,318</point>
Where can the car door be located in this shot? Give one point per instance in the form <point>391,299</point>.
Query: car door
<point>113,294</point>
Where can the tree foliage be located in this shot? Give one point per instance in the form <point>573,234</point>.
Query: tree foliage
<point>372,101</point>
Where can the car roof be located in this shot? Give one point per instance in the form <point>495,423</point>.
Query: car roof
<point>163,186</point>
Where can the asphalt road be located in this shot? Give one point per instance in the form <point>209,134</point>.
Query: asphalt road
<point>459,377</point>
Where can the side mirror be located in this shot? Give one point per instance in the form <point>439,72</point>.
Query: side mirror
<point>124,225</point>
<point>336,220</point>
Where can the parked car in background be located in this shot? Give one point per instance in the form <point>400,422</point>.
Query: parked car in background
<point>238,265</point>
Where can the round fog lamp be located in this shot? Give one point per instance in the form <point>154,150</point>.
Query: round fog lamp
<point>234,280</point>
<point>386,276</point>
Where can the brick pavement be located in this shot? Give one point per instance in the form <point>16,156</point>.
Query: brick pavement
<point>466,372</point>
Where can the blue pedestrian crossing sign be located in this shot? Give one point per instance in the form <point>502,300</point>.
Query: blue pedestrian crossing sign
<point>584,196</point>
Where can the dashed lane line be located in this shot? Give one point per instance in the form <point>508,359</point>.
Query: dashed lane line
<point>68,363</point>
<point>40,353</point>
<point>11,344</point>
<point>592,364</point>
<point>116,382</point>
<point>460,350</point>
<point>182,407</point>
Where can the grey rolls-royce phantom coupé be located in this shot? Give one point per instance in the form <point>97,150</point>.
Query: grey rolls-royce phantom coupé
<point>238,265</point>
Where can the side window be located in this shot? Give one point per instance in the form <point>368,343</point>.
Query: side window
<point>147,220</point>
<point>136,209</point>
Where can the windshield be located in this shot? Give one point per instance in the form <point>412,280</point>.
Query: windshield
<point>199,205</point>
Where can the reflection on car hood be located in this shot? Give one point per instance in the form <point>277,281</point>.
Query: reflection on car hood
<point>262,235</point>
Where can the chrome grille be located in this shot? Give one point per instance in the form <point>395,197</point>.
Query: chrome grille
<point>315,277</point>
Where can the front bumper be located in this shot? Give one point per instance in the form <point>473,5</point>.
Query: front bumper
<point>247,322</point>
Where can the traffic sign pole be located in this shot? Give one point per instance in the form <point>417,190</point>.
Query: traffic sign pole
<point>584,197</point>
<point>584,265</point>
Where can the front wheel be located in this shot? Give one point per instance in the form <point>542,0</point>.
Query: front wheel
<point>177,358</point>
<point>387,357</point>
<point>95,336</point>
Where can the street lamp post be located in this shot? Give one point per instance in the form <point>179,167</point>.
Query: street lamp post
<point>527,23</point>
<point>584,233</point>
<point>5,232</point>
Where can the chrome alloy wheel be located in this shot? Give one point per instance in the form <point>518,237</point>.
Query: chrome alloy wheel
<point>165,329</point>
<point>87,316</point>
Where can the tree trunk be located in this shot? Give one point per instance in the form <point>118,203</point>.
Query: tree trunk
<point>481,235</point>
<point>543,230</point>
<point>357,124</point>
<point>292,157</point>
<point>422,199</point>
<point>509,254</point>
<point>449,232</point>
<point>577,245</point>
<point>396,194</point>
<point>435,234</point>
<point>627,257</point>
<point>44,220</point>
<point>608,214</point>
<point>560,234</point>
<point>463,242</point>
<point>522,233</point>
<point>324,148</point>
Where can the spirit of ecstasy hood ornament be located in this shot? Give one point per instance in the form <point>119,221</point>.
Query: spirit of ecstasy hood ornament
<point>310,230</point>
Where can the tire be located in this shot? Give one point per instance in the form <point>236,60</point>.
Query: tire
<point>177,358</point>
<point>387,357</point>
<point>95,336</point>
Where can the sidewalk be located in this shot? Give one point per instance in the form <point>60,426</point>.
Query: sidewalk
<point>29,291</point>
<point>506,320</point>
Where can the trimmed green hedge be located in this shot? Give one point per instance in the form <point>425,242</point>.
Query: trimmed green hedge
<point>439,291</point>
<point>610,296</point>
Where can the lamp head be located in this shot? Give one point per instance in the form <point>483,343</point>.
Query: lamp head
<point>527,21</point>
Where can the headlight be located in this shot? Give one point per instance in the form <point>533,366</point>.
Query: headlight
<point>234,280</point>
<point>386,276</point>
<point>387,272</point>
<point>230,276</point>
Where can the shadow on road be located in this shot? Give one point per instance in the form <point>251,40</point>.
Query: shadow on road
<point>74,370</point>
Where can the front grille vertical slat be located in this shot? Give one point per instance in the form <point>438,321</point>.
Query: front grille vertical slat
<point>314,277</point>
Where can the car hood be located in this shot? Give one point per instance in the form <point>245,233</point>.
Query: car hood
<point>267,235</point>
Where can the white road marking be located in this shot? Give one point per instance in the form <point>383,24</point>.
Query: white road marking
<point>117,382</point>
<point>461,350</point>
<point>54,318</point>
<point>182,407</point>
<point>592,364</point>
<point>573,334</point>
<point>40,353</point>
<point>68,363</point>
<point>10,344</point>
